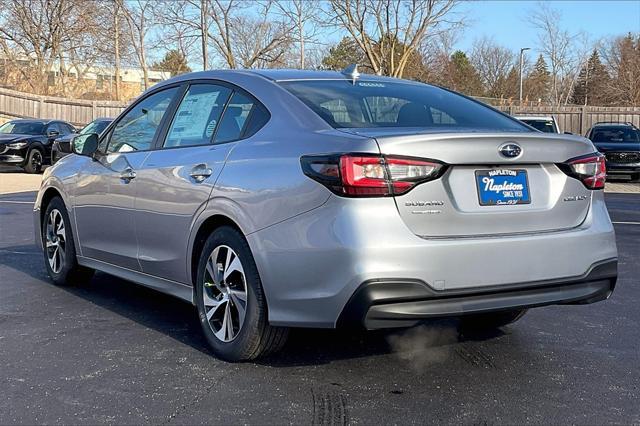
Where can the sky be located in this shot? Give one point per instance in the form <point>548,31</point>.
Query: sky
<point>506,21</point>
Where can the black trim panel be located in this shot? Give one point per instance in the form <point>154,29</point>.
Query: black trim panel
<point>403,303</point>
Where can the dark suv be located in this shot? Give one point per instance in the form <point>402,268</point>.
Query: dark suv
<point>27,143</point>
<point>620,143</point>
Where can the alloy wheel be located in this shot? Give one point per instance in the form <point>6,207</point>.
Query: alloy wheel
<point>36,160</point>
<point>56,241</point>
<point>224,293</point>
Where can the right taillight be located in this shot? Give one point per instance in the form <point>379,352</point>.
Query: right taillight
<point>590,169</point>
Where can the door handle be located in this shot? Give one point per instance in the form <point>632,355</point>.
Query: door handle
<point>127,174</point>
<point>200,172</point>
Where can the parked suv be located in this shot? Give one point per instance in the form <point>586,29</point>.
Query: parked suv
<point>274,198</point>
<point>620,143</point>
<point>62,146</point>
<point>27,143</point>
<point>545,124</point>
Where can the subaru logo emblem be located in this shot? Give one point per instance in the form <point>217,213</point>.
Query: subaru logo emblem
<point>510,150</point>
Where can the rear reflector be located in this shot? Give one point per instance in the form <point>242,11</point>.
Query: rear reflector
<point>365,175</point>
<point>590,169</point>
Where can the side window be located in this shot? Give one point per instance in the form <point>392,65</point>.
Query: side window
<point>136,130</point>
<point>197,116</point>
<point>53,127</point>
<point>258,118</point>
<point>65,129</point>
<point>441,117</point>
<point>234,117</point>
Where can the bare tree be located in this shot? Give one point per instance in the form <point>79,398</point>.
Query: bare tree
<point>561,48</point>
<point>187,22</point>
<point>621,56</point>
<point>493,64</point>
<point>390,31</point>
<point>139,21</point>
<point>303,15</point>
<point>39,32</point>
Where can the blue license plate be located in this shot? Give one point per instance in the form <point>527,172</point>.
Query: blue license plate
<point>498,187</point>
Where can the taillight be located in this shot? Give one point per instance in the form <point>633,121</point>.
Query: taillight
<point>365,175</point>
<point>590,169</point>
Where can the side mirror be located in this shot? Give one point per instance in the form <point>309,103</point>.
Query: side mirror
<point>86,144</point>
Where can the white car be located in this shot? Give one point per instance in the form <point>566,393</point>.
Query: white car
<point>544,123</point>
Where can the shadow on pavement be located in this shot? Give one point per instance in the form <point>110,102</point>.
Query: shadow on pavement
<point>179,320</point>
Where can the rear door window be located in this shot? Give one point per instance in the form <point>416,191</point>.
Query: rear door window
<point>197,117</point>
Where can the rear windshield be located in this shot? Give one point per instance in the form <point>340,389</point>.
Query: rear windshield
<point>367,104</point>
<point>615,135</point>
<point>22,128</point>
<point>545,126</point>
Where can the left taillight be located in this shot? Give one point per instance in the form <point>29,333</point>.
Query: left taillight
<point>590,169</point>
<point>365,175</point>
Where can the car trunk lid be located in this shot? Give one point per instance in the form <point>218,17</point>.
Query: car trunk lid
<point>452,206</point>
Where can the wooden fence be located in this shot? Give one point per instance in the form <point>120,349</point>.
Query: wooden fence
<point>578,119</point>
<point>574,119</point>
<point>76,111</point>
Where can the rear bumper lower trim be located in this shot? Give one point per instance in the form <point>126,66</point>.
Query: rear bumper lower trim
<point>403,303</point>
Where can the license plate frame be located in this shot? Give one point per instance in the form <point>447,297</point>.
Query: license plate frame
<point>512,188</point>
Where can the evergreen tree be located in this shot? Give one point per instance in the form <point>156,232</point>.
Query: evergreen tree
<point>343,54</point>
<point>463,77</point>
<point>537,84</point>
<point>592,84</point>
<point>173,62</point>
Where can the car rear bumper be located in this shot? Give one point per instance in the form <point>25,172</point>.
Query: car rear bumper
<point>312,264</point>
<point>400,303</point>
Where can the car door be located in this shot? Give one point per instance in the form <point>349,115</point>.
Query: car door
<point>176,180</point>
<point>106,185</point>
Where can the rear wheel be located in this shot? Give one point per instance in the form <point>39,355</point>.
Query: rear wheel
<point>59,249</point>
<point>34,161</point>
<point>491,320</point>
<point>231,304</point>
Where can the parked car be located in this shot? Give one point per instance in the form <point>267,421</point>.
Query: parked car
<point>545,124</point>
<point>620,143</point>
<point>273,198</point>
<point>62,145</point>
<point>27,143</point>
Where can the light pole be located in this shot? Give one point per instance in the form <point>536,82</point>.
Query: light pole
<point>521,60</point>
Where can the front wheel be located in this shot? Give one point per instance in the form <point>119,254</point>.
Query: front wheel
<point>491,320</point>
<point>34,161</point>
<point>231,303</point>
<point>59,249</point>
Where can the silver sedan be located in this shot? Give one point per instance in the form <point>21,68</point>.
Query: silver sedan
<point>275,199</point>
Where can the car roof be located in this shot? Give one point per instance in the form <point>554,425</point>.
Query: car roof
<point>276,75</point>
<point>613,124</point>
<point>36,120</point>
<point>534,117</point>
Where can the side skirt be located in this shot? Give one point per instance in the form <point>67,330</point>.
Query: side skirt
<point>173,288</point>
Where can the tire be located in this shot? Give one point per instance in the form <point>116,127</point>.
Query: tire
<point>34,162</point>
<point>491,320</point>
<point>59,249</point>
<point>227,274</point>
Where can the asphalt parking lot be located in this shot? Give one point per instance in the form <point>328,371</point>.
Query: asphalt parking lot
<point>114,352</point>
